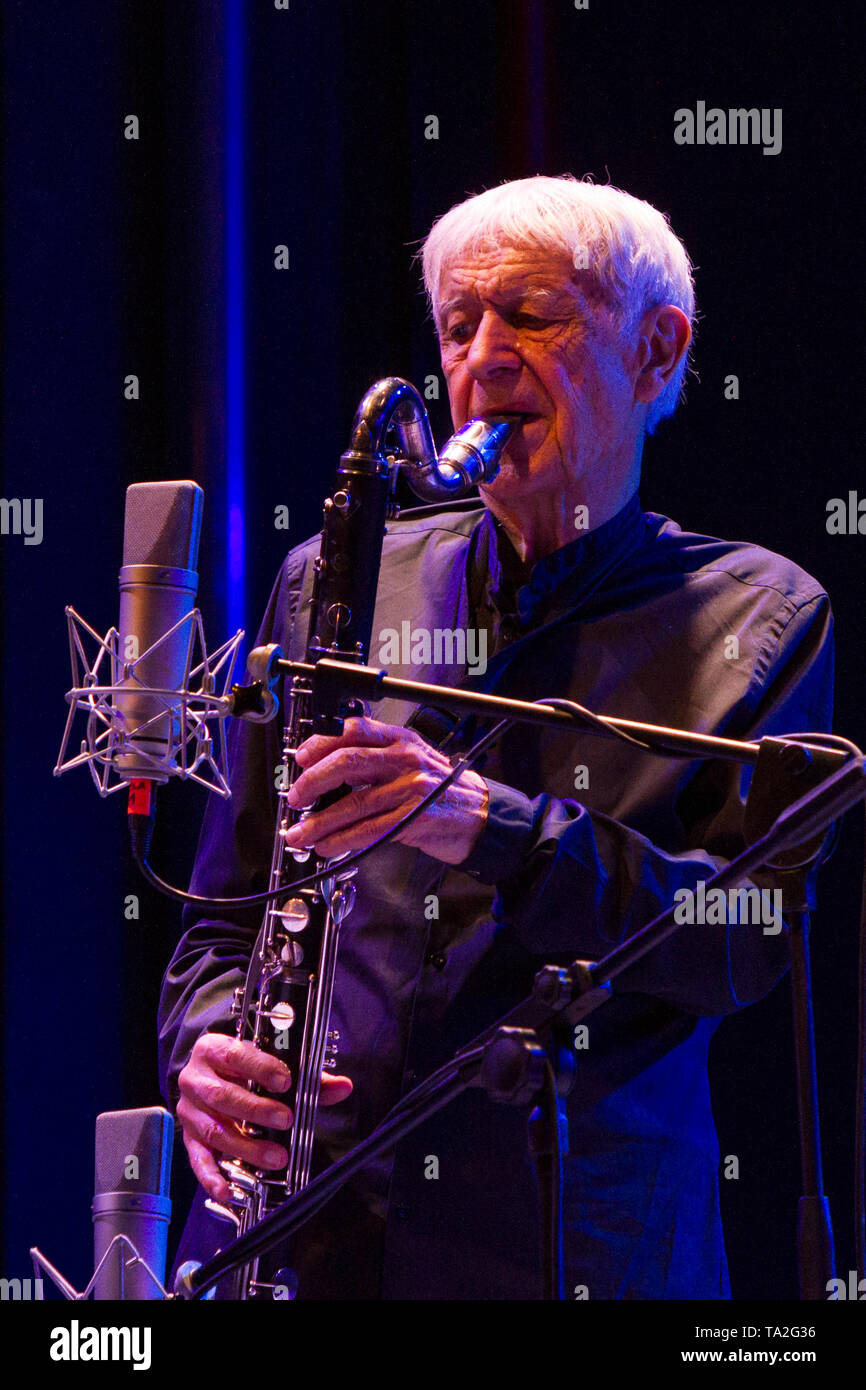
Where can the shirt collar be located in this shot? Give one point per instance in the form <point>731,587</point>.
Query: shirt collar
<point>560,580</point>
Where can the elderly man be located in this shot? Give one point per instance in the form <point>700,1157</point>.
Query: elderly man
<point>568,306</point>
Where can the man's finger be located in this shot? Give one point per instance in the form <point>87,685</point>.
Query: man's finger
<point>362,833</point>
<point>334,1089</point>
<point>224,1137</point>
<point>359,806</point>
<point>242,1061</point>
<point>364,767</point>
<point>222,1097</point>
<point>203,1161</point>
<point>206,1169</point>
<point>352,767</point>
<point>358,732</point>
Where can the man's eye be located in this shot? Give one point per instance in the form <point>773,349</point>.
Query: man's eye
<point>529,321</point>
<point>458,332</point>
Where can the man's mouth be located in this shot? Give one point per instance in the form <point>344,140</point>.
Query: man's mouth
<point>517,417</point>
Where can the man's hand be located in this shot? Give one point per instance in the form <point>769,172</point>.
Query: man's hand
<point>214,1099</point>
<point>390,769</point>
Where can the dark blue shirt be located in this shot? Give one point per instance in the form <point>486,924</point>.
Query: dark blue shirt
<point>587,839</point>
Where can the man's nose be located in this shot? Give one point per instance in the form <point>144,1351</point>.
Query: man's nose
<point>493,347</point>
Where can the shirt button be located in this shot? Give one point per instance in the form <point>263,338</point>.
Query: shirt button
<point>437,959</point>
<point>508,629</point>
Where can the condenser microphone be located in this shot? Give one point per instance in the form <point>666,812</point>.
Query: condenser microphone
<point>158,584</point>
<point>162,712</point>
<point>131,1187</point>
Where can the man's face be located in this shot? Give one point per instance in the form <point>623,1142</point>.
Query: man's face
<point>517,334</point>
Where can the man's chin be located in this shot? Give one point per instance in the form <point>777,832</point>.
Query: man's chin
<point>516,459</point>
<point>517,467</point>
<point>510,489</point>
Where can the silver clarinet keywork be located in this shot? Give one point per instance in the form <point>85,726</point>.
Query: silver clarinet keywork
<point>285,1005</point>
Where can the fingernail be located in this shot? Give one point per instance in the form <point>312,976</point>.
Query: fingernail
<point>280,1080</point>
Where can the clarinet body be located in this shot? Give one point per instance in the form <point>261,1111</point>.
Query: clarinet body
<point>284,1007</point>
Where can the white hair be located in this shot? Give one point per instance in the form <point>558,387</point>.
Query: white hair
<point>623,249</point>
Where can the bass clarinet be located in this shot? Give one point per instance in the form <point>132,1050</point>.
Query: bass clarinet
<point>284,1007</point>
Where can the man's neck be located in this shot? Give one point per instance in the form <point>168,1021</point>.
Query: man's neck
<point>541,520</point>
<point>536,532</point>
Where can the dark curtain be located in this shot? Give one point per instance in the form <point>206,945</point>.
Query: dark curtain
<point>307,127</point>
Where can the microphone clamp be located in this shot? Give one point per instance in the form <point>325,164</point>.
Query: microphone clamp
<point>114,754</point>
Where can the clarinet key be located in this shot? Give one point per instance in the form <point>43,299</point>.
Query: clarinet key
<point>294,915</point>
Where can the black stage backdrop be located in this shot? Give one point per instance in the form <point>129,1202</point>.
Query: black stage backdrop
<point>147,248</point>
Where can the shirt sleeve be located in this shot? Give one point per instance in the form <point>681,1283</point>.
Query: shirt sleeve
<point>573,882</point>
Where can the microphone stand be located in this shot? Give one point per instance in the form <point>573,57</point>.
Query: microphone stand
<point>508,1059</point>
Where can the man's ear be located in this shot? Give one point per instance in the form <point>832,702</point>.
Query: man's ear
<point>663,336</point>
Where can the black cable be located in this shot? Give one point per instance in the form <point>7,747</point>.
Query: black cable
<point>601,724</point>
<point>335,866</point>
<point>252,974</point>
<point>832,740</point>
<point>834,831</point>
<point>141,838</point>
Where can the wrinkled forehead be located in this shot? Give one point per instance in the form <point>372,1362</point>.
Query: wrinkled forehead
<point>507,273</point>
<point>505,263</point>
